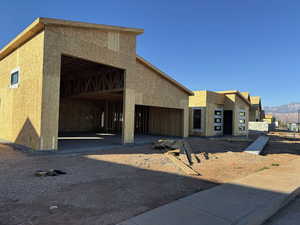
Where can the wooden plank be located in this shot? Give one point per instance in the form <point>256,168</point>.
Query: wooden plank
<point>188,170</point>
<point>258,145</point>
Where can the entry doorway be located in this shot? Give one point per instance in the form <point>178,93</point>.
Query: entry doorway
<point>228,119</point>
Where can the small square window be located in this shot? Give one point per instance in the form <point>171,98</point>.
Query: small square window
<point>218,120</point>
<point>242,128</point>
<point>242,113</point>
<point>14,78</point>
<point>242,121</point>
<point>218,112</point>
<point>218,128</point>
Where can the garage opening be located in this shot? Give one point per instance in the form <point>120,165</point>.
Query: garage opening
<point>158,121</point>
<point>91,104</point>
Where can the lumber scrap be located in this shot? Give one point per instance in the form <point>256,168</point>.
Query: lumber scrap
<point>190,153</point>
<point>258,145</point>
<point>188,170</point>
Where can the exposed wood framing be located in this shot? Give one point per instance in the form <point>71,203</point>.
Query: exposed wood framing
<point>101,82</point>
<point>141,119</point>
<point>81,76</point>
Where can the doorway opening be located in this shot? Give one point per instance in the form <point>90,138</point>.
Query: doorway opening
<point>228,120</point>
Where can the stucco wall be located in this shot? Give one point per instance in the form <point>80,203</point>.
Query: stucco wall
<point>154,90</point>
<point>255,113</point>
<point>93,47</point>
<point>199,99</point>
<point>20,109</point>
<point>240,105</point>
<point>142,85</point>
<point>211,101</point>
<point>208,101</point>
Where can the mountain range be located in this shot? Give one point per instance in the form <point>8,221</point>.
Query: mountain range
<point>287,112</point>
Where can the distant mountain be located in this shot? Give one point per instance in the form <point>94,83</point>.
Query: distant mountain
<point>288,112</point>
<point>288,108</point>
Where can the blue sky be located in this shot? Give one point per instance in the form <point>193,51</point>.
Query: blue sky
<point>250,45</point>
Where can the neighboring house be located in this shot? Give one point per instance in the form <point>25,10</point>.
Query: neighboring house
<point>62,76</point>
<point>255,113</point>
<point>269,118</point>
<point>256,108</point>
<point>295,127</point>
<point>218,113</point>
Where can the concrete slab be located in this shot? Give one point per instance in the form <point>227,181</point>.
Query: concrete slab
<point>247,201</point>
<point>184,214</point>
<point>258,145</point>
<point>228,201</point>
<point>89,142</point>
<point>290,215</point>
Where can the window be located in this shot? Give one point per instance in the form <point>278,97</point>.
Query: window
<point>242,113</point>
<point>197,119</point>
<point>14,78</point>
<point>218,128</point>
<point>218,120</point>
<point>242,121</point>
<point>242,128</point>
<point>218,112</point>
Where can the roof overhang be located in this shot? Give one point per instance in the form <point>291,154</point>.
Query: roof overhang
<point>236,93</point>
<point>39,24</point>
<point>164,75</point>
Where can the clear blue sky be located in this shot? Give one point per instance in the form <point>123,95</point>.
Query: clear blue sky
<point>250,45</point>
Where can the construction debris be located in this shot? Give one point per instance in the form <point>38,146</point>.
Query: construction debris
<point>174,150</point>
<point>51,172</point>
<point>187,169</point>
<point>258,145</point>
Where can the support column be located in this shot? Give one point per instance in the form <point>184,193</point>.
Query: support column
<point>128,116</point>
<point>50,101</point>
<point>185,122</point>
<point>185,117</point>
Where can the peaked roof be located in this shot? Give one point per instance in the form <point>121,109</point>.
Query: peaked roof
<point>246,94</point>
<point>255,100</point>
<point>268,116</point>
<point>164,75</point>
<point>237,93</point>
<point>40,23</point>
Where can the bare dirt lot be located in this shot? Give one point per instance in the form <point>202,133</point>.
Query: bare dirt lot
<point>112,185</point>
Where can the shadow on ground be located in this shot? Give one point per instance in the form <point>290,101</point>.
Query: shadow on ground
<point>106,187</point>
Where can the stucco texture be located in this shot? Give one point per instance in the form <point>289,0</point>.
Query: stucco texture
<point>20,120</point>
<point>40,62</point>
<point>208,102</point>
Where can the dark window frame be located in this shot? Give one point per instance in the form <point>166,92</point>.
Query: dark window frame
<point>242,113</point>
<point>218,112</point>
<point>15,78</point>
<point>218,128</point>
<point>197,120</point>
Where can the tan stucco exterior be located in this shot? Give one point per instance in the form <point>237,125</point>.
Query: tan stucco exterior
<point>256,109</point>
<point>21,108</point>
<point>255,112</point>
<point>30,113</point>
<point>209,102</point>
<point>269,118</point>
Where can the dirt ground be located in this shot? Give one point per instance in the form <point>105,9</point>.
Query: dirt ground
<point>112,185</point>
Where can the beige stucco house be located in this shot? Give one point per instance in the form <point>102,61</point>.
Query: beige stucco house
<point>61,76</point>
<point>255,113</point>
<point>269,118</point>
<point>218,113</point>
<point>256,109</point>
